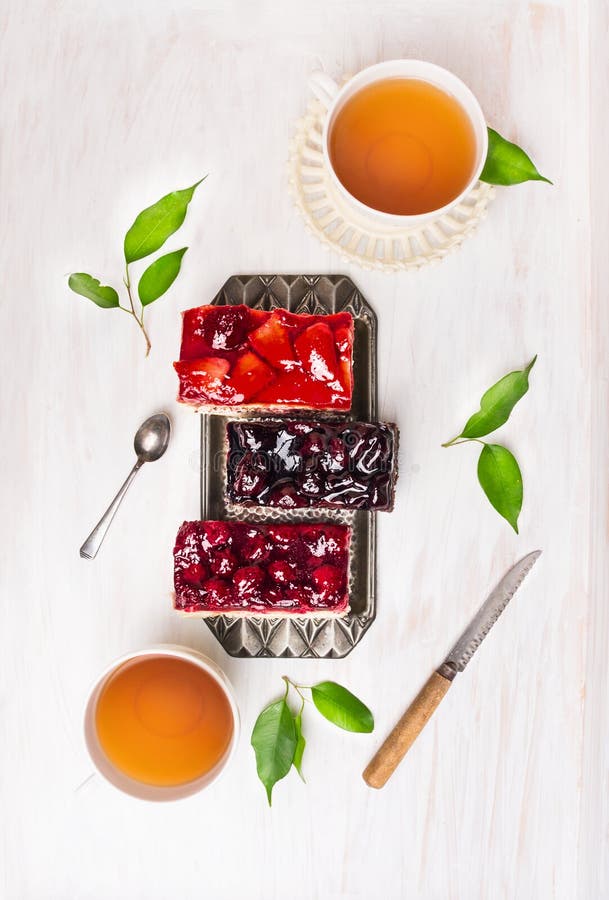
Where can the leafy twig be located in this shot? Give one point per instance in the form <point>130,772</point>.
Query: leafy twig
<point>498,471</point>
<point>148,233</point>
<point>278,740</point>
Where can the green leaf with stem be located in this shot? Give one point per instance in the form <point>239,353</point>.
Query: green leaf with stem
<point>89,287</point>
<point>274,741</point>
<point>501,480</point>
<point>506,163</point>
<point>341,707</point>
<point>159,276</point>
<point>497,404</point>
<point>300,743</point>
<point>155,224</point>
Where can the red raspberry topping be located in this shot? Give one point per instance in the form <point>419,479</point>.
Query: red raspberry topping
<point>304,569</point>
<point>327,579</point>
<point>216,533</point>
<point>218,590</point>
<point>248,581</point>
<point>256,547</point>
<point>282,572</point>
<point>195,573</point>
<point>224,562</point>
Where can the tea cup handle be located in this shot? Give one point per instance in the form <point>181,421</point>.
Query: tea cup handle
<point>324,88</point>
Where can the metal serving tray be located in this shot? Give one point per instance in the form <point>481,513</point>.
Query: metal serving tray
<point>265,636</point>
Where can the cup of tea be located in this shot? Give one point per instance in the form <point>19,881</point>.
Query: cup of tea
<point>161,723</point>
<point>403,140</point>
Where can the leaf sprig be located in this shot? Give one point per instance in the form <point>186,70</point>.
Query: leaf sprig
<point>506,163</point>
<point>148,233</point>
<point>278,739</point>
<point>498,471</point>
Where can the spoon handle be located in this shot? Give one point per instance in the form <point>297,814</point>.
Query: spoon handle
<point>91,546</point>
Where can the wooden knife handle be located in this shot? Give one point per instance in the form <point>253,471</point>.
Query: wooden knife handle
<point>394,749</point>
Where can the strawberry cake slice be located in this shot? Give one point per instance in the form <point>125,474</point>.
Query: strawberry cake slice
<point>236,356</point>
<point>238,568</point>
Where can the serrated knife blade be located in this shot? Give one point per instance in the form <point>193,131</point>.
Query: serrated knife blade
<point>486,616</point>
<point>401,739</point>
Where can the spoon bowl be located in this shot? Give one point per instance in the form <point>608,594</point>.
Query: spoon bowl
<point>152,437</point>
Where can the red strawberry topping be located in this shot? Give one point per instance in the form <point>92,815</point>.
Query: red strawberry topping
<point>312,393</point>
<point>250,375</point>
<point>204,380</point>
<point>344,342</point>
<point>234,355</point>
<point>316,350</point>
<point>272,342</point>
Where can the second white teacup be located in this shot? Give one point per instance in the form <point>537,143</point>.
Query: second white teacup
<point>334,99</point>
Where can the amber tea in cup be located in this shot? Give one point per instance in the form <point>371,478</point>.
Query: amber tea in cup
<point>161,723</point>
<point>163,720</point>
<point>403,146</point>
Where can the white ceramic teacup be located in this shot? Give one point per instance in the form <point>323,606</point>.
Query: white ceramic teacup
<point>130,785</point>
<point>334,97</point>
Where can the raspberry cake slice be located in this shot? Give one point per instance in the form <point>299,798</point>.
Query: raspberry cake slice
<point>238,568</point>
<point>236,356</point>
<point>294,464</point>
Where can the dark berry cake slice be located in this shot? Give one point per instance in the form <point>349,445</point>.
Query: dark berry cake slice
<point>293,464</point>
<point>237,568</point>
<point>235,356</point>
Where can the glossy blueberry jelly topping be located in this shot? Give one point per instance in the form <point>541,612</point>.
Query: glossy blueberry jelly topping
<point>238,356</point>
<point>237,567</point>
<point>293,464</point>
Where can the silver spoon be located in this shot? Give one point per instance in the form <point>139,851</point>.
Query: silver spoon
<point>150,443</point>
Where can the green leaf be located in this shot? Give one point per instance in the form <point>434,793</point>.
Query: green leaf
<point>341,707</point>
<point>274,741</point>
<point>506,163</point>
<point>501,481</point>
<point>89,287</point>
<point>156,223</point>
<point>159,276</point>
<point>498,402</point>
<point>300,745</point>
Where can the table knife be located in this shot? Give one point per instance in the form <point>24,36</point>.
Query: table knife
<point>403,736</point>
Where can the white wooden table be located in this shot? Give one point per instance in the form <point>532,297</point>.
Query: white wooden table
<point>506,794</point>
